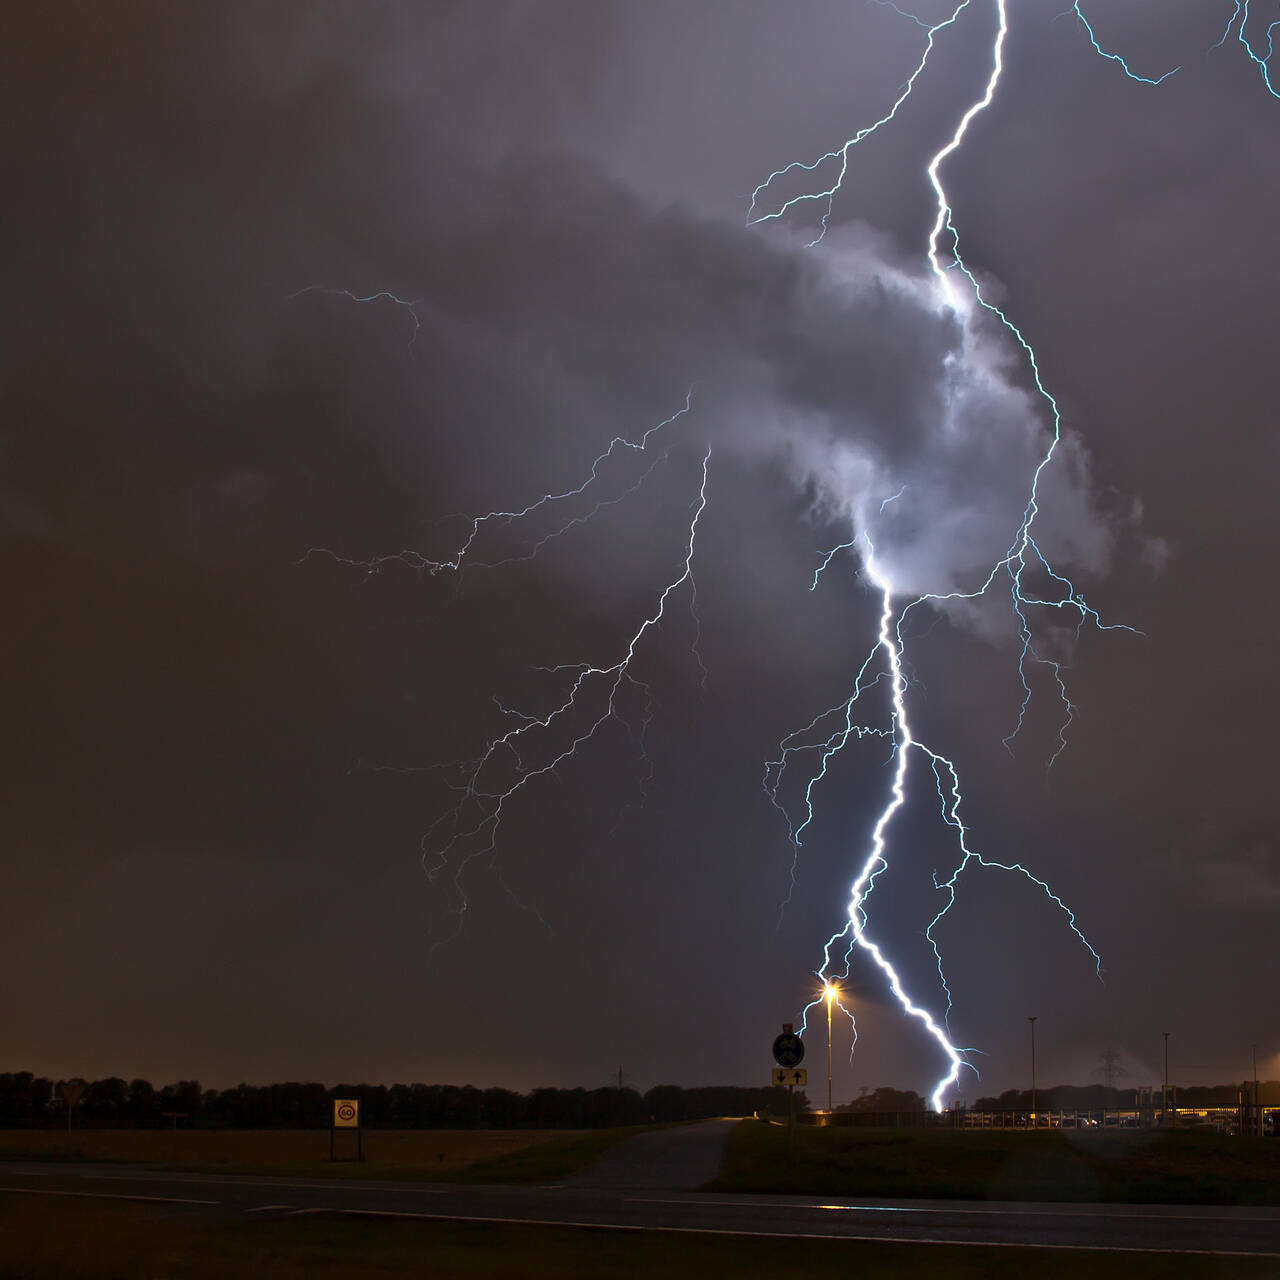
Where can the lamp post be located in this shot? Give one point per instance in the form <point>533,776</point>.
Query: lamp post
<point>1032,1021</point>
<point>1256,1122</point>
<point>830,993</point>
<point>1164,1096</point>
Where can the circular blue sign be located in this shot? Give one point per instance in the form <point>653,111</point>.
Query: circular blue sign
<point>788,1050</point>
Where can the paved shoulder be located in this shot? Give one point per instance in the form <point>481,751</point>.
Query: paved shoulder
<point>681,1158</point>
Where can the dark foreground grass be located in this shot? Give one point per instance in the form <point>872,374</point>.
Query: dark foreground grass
<point>1135,1167</point>
<point>546,1161</point>
<point>412,1156</point>
<point>54,1239</point>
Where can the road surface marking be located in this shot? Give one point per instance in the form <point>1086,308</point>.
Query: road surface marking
<point>230,1180</point>
<point>786,1235</point>
<point>104,1195</point>
<point>1111,1212</point>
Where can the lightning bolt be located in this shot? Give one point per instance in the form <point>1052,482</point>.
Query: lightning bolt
<point>1024,554</point>
<point>1024,557</point>
<point>596,692</point>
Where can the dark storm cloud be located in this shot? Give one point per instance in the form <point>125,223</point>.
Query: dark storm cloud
<point>308,157</point>
<point>187,406</point>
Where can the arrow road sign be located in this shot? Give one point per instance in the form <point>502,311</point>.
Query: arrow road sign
<point>797,1076</point>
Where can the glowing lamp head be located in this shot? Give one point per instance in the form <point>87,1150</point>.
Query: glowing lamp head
<point>830,992</point>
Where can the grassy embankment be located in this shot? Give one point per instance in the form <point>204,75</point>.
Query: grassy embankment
<point>54,1239</point>
<point>1135,1167</point>
<point>505,1155</point>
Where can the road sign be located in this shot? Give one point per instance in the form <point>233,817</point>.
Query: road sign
<point>788,1050</point>
<point>346,1113</point>
<point>71,1093</point>
<point>796,1076</point>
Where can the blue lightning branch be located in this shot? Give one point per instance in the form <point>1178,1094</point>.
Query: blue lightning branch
<point>383,295</point>
<point>1115,57</point>
<point>1262,63</point>
<point>1239,13</point>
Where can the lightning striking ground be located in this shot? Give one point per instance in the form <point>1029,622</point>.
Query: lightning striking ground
<point>1023,553</point>
<point>1023,558</point>
<point>595,690</point>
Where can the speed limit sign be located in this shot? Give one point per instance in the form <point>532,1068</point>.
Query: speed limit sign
<point>346,1113</point>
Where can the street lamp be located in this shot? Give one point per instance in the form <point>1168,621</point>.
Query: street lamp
<point>830,995</point>
<point>1255,1123</point>
<point>1032,1020</point>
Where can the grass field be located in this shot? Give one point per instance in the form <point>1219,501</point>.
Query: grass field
<point>388,1152</point>
<point>50,1239</point>
<point>1137,1167</point>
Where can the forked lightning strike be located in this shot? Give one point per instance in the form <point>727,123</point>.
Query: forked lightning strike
<point>538,743</point>
<point>1023,554</point>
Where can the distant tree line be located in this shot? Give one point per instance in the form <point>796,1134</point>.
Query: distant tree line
<point>1064,1097</point>
<point>27,1100</point>
<point>885,1099</point>
<point>1098,1097</point>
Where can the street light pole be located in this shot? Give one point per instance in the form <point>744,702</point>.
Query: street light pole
<point>1164,1097</point>
<point>831,995</point>
<point>1256,1123</point>
<point>1033,1069</point>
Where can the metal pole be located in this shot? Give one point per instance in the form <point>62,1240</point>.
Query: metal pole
<point>829,1108</point>
<point>1033,1069</point>
<point>791,1117</point>
<point>1256,1124</point>
<point>1164,1096</point>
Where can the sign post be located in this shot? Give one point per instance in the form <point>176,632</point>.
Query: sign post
<point>346,1115</point>
<point>71,1094</point>
<point>788,1053</point>
<point>175,1116</point>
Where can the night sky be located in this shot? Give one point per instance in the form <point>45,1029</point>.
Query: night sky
<point>234,710</point>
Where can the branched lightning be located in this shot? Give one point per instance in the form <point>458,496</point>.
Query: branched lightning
<point>532,750</point>
<point>1263,63</point>
<point>383,295</point>
<point>594,693</point>
<point>1115,57</point>
<point>1023,557</point>
<point>842,153</point>
<point>458,560</point>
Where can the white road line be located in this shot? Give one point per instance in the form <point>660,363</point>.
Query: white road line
<point>265,1208</point>
<point>230,1180</point>
<point>787,1235</point>
<point>1109,1212</point>
<point>104,1195</point>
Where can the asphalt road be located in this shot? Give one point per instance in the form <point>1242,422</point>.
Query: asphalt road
<point>675,1159</point>
<point>1127,1227</point>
